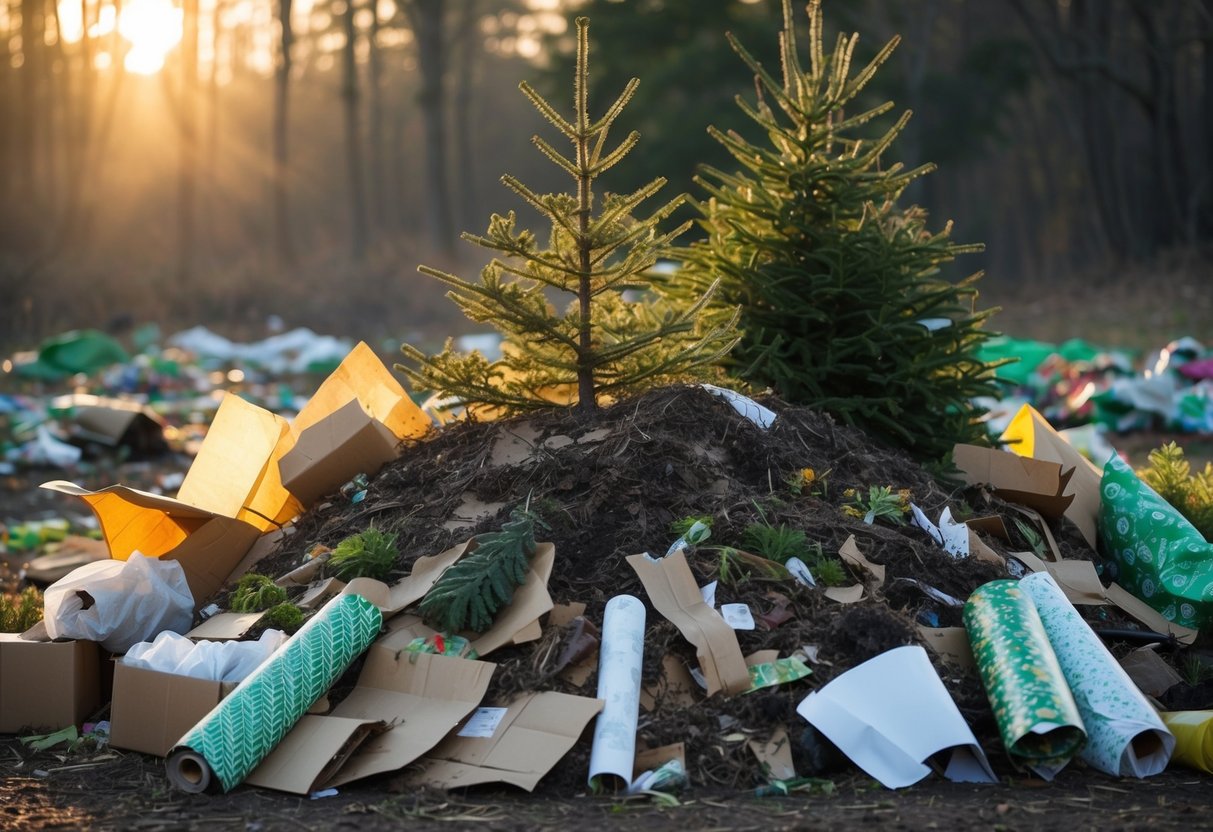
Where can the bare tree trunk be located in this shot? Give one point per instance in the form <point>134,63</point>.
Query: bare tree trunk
<point>187,172</point>
<point>353,140</point>
<point>283,247</point>
<point>32,38</point>
<point>465,66</point>
<point>429,33</point>
<point>379,191</point>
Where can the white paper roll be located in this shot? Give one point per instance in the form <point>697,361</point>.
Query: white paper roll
<point>1125,736</point>
<point>619,663</point>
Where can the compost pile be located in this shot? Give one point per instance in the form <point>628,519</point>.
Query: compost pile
<point>612,483</point>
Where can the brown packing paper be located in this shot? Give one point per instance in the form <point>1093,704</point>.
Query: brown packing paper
<point>318,593</point>
<point>950,643</point>
<point>775,754</point>
<point>563,614</point>
<point>672,590</point>
<point>538,729</point>
<point>1150,672</point>
<point>1079,581</point>
<point>1031,435</point>
<point>849,552</point>
<point>426,570</point>
<point>845,594</point>
<point>1030,482</point>
<point>1131,605</point>
<point>530,601</point>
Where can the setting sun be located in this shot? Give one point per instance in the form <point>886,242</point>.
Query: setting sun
<point>153,28</point>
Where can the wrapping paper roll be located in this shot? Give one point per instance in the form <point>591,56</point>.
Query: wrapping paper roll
<point>619,663</point>
<point>1125,737</point>
<point>1036,712</point>
<point>229,742</point>
<point>1193,732</point>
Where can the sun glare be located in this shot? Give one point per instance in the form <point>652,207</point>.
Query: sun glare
<point>153,29</point>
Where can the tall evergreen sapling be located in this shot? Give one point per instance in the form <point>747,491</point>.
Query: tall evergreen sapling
<point>604,344</point>
<point>842,305</point>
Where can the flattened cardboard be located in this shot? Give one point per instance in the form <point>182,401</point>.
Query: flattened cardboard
<point>1031,435</point>
<point>538,729</point>
<point>320,592</point>
<point>648,759</point>
<point>47,684</point>
<point>672,589</point>
<point>1017,479</point>
<point>676,686</point>
<point>530,601</point>
<point>849,552</point>
<point>311,753</point>
<point>1079,581</point>
<point>151,710</point>
<point>426,570</point>
<point>423,696</point>
<point>562,615</point>
<point>224,626</point>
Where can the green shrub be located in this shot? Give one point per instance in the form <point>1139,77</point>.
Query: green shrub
<point>254,593</point>
<point>1191,494</point>
<point>285,616</point>
<point>841,300</point>
<point>368,554</point>
<point>20,612</point>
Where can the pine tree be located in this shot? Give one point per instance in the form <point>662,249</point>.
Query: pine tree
<point>842,306</point>
<point>604,344</point>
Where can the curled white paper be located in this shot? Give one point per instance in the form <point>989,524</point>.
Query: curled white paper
<point>620,657</point>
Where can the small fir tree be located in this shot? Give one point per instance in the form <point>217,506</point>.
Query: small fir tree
<point>842,307</point>
<point>604,344</point>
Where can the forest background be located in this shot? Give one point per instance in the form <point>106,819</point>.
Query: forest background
<point>224,161</point>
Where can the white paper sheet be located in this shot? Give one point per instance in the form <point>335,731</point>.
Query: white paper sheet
<point>761,416</point>
<point>800,571</point>
<point>891,714</point>
<point>619,663</point>
<point>1125,737</point>
<point>483,722</point>
<point>923,522</point>
<point>737,616</point>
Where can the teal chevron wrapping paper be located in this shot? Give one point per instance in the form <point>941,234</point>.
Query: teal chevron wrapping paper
<point>242,729</point>
<point>1125,737</point>
<point>1036,713</point>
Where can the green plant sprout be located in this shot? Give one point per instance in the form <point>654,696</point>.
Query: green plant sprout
<point>367,554</point>
<point>254,593</point>
<point>881,503</point>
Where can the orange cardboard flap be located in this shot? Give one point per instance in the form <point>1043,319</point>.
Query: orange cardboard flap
<point>672,589</point>
<point>1031,435</point>
<point>518,746</point>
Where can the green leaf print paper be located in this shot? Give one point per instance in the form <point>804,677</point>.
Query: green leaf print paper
<point>242,729</point>
<point>1036,713</point>
<point>1163,559</point>
<point>1125,737</point>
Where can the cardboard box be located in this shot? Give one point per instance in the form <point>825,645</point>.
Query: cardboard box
<point>151,710</point>
<point>353,424</point>
<point>47,684</point>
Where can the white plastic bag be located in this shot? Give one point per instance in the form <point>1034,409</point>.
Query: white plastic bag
<point>119,603</point>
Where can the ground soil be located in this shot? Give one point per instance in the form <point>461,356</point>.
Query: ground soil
<point>609,485</point>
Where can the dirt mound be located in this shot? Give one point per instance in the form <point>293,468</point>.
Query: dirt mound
<point>611,484</point>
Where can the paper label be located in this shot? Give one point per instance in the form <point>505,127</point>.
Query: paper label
<point>737,616</point>
<point>708,593</point>
<point>483,722</point>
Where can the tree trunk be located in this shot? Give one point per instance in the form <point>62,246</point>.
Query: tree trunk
<point>188,165</point>
<point>465,68</point>
<point>283,246</point>
<point>429,33</point>
<point>379,190</point>
<point>353,140</point>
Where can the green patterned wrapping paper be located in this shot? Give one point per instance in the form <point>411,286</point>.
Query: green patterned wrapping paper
<point>243,728</point>
<point>1125,737</point>
<point>1163,559</point>
<point>1036,713</point>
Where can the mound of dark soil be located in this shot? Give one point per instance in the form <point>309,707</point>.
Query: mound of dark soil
<point>611,483</point>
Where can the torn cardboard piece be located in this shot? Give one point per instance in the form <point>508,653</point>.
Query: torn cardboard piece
<point>1031,435</point>
<point>672,590</point>
<point>676,687</point>
<point>533,734</point>
<point>950,644</point>
<point>1152,675</point>
<point>224,626</point>
<point>1017,479</point>
<point>1131,605</point>
<point>845,594</point>
<point>849,552</point>
<point>315,749</point>
<point>530,601</point>
<point>774,754</point>
<point>426,571</point>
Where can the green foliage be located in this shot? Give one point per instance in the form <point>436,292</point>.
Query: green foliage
<point>367,554</point>
<point>777,543</point>
<point>604,345</point>
<point>20,612</point>
<point>682,525</point>
<point>254,593</point>
<point>468,595</point>
<point>842,303</point>
<point>736,566</point>
<point>829,571</point>
<point>1191,494</point>
<point>285,616</point>
<point>880,503</point>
